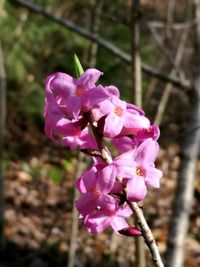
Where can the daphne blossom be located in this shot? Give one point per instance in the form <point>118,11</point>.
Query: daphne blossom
<point>72,105</point>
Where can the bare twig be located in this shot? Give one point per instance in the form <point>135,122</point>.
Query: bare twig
<point>147,234</point>
<point>170,16</point>
<point>73,239</point>
<point>146,231</point>
<point>168,89</point>
<point>178,58</point>
<point>135,44</point>
<point>137,89</point>
<point>104,43</point>
<point>174,26</point>
<point>160,44</point>
<point>95,27</point>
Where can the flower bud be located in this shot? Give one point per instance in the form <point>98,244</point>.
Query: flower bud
<point>130,231</point>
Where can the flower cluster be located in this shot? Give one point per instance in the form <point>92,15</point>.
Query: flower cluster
<point>74,106</point>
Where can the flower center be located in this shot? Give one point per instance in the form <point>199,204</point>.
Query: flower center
<point>118,111</point>
<point>96,192</point>
<point>79,91</point>
<point>139,171</point>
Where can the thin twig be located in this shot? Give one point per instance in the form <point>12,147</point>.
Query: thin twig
<point>73,239</point>
<point>170,17</point>
<point>95,27</point>
<point>168,89</point>
<point>135,45</point>
<point>174,26</point>
<point>104,43</point>
<point>146,231</point>
<point>136,76</point>
<point>147,234</point>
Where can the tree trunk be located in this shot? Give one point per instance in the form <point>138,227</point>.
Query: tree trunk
<point>2,130</point>
<point>185,185</point>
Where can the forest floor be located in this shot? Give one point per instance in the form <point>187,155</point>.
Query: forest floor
<point>39,189</point>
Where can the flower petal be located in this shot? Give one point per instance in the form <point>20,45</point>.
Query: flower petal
<point>133,121</point>
<point>113,125</point>
<point>147,152</point>
<point>62,84</point>
<point>97,222</point>
<point>73,106</point>
<point>136,189</point>
<point>88,78</point>
<point>106,179</point>
<point>118,223</point>
<point>106,202</point>
<point>93,96</point>
<point>152,177</point>
<point>86,204</point>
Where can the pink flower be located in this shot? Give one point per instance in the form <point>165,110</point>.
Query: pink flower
<point>118,117</point>
<point>74,96</point>
<point>95,185</point>
<point>145,172</point>
<point>65,132</point>
<point>125,143</point>
<point>100,220</point>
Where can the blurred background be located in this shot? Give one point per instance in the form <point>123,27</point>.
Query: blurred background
<point>39,37</point>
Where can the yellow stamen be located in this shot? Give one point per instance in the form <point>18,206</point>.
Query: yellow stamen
<point>79,91</point>
<point>96,192</point>
<point>139,172</point>
<point>118,111</point>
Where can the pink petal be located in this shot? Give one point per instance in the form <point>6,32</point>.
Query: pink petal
<point>86,203</point>
<point>134,109</point>
<point>62,84</point>
<point>106,179</point>
<point>125,211</point>
<point>123,143</point>
<point>133,121</point>
<point>87,140</point>
<point>73,106</point>
<point>93,96</point>
<point>97,222</point>
<point>112,90</point>
<point>113,125</point>
<point>146,153</point>
<point>88,78</point>
<point>152,177</point>
<point>89,179</point>
<point>136,188</point>
<point>106,202</point>
<point>106,107</point>
<point>125,168</point>
<point>118,223</point>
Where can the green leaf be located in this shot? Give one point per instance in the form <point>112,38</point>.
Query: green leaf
<point>78,69</point>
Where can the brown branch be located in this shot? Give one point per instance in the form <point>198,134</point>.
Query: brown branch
<point>160,44</point>
<point>174,26</point>
<point>74,231</point>
<point>95,27</point>
<point>135,45</point>
<point>168,89</point>
<point>136,76</point>
<point>104,43</point>
<point>146,231</point>
<point>170,16</point>
<point>147,234</point>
